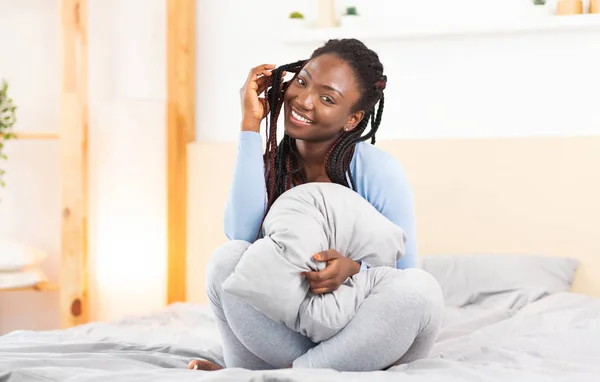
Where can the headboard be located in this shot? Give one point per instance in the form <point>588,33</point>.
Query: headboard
<point>504,196</point>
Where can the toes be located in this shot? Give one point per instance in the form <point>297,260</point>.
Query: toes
<point>199,364</point>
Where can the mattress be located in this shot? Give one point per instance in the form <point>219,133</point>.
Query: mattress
<point>556,338</point>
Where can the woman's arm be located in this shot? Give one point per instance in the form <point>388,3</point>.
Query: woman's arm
<point>246,203</point>
<point>389,191</point>
<point>395,201</point>
<point>247,196</point>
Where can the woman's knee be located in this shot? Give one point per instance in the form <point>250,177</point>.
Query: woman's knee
<point>223,262</point>
<point>422,291</point>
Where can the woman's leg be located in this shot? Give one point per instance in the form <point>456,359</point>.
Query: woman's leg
<point>220,266</point>
<point>251,339</point>
<point>397,323</point>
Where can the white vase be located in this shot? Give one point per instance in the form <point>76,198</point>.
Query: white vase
<point>350,22</point>
<point>539,11</point>
<point>297,24</point>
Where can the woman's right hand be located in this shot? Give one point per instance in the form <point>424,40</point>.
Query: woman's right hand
<point>254,107</point>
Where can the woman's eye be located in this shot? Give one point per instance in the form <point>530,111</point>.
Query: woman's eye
<point>300,81</point>
<point>327,99</point>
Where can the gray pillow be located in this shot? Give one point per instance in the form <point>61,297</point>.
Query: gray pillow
<point>499,281</point>
<point>304,221</point>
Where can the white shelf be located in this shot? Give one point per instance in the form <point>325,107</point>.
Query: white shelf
<point>550,23</point>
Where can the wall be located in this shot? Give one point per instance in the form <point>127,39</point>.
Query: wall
<point>30,204</point>
<point>127,163</point>
<point>496,85</point>
<point>452,95</point>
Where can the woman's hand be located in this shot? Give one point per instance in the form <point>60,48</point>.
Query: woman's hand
<point>254,107</point>
<point>338,269</point>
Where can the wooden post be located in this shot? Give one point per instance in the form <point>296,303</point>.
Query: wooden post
<point>73,163</point>
<point>181,83</point>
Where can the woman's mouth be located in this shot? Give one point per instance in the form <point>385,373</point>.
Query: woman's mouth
<point>299,120</point>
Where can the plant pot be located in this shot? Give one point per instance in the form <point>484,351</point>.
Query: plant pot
<point>297,24</point>
<point>539,10</point>
<point>350,21</point>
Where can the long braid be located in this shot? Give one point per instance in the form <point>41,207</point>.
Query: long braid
<point>275,155</point>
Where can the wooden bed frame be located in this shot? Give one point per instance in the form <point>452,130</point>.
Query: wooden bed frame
<point>73,152</point>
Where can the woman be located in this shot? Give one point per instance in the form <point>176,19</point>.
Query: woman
<point>327,107</point>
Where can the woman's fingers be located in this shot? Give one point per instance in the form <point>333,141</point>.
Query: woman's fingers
<point>322,290</point>
<point>322,284</point>
<point>261,83</point>
<point>265,104</point>
<point>258,70</point>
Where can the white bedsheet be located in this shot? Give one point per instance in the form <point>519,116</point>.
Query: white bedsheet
<point>554,339</point>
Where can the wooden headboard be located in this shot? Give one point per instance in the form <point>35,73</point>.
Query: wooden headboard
<point>505,196</point>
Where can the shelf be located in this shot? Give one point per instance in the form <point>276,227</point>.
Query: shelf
<point>534,24</point>
<point>31,135</point>
<point>41,287</point>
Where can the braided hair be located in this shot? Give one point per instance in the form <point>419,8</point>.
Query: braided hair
<point>282,163</point>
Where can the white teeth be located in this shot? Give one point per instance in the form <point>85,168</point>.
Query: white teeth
<point>301,118</point>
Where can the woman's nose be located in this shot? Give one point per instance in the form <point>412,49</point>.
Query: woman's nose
<point>305,101</point>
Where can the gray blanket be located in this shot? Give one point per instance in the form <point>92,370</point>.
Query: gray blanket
<point>552,339</point>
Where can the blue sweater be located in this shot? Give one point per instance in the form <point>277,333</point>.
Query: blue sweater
<point>377,176</point>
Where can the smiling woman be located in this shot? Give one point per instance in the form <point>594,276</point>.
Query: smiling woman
<point>328,106</point>
<point>332,105</point>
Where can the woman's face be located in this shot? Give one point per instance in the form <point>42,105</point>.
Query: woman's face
<point>318,103</point>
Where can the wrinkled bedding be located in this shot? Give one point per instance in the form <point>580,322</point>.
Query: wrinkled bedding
<point>555,338</point>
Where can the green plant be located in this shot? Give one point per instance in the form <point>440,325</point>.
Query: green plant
<point>296,15</point>
<point>539,2</point>
<point>7,120</point>
<point>351,11</point>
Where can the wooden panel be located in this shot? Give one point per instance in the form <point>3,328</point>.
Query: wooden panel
<point>41,287</point>
<point>180,132</point>
<point>33,135</point>
<point>73,163</point>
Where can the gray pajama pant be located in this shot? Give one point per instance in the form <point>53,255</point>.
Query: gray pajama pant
<point>397,323</point>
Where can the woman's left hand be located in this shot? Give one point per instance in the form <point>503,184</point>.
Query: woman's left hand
<point>338,269</point>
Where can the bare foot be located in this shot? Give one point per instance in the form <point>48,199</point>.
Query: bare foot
<point>201,364</point>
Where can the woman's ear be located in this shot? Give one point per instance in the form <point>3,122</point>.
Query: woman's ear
<point>354,120</point>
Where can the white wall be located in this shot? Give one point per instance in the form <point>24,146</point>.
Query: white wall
<point>127,154</point>
<point>498,85</point>
<point>30,204</point>
<point>128,162</point>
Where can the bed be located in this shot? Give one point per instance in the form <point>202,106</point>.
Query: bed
<point>552,338</point>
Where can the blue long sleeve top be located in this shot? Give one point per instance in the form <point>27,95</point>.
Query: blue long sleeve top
<point>378,178</point>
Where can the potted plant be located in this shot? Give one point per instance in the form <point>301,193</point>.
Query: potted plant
<point>297,20</point>
<point>350,17</point>
<point>539,8</point>
<point>7,120</point>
